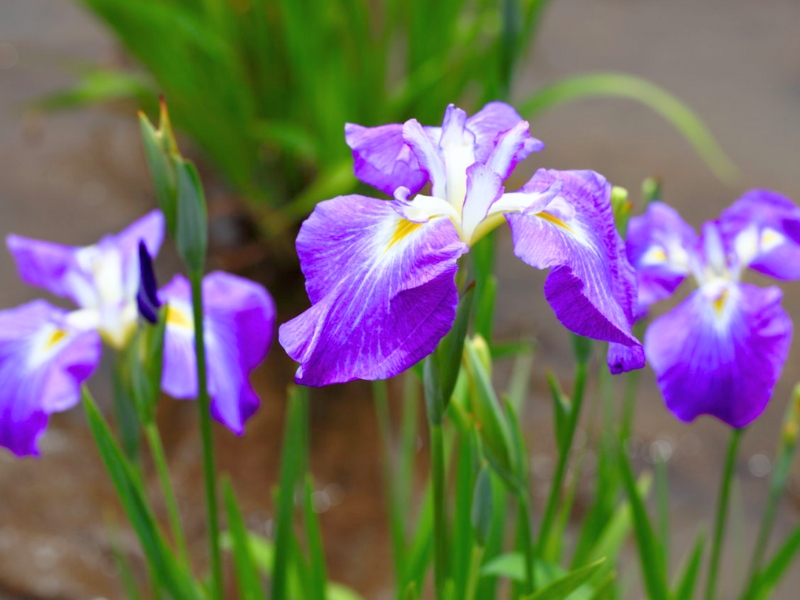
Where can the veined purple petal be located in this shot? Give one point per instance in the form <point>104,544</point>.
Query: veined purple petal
<point>383,159</point>
<point>764,228</point>
<point>720,357</point>
<point>43,361</point>
<point>382,291</point>
<point>659,245</point>
<point>589,285</point>
<point>489,123</point>
<point>238,326</point>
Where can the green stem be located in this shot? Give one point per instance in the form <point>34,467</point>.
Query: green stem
<point>474,571</point>
<point>204,408</point>
<point>551,509</point>
<point>160,462</point>
<point>722,514</point>
<point>439,523</point>
<point>381,398</point>
<point>528,547</point>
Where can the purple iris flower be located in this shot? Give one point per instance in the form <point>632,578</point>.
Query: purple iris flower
<point>238,328</point>
<point>46,353</point>
<point>720,352</point>
<point>380,273</point>
<point>101,279</point>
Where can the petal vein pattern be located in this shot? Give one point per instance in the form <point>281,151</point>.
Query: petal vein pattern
<point>380,301</point>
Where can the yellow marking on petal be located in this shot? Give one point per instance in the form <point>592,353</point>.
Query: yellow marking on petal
<point>657,255</point>
<point>554,220</point>
<point>719,303</point>
<point>55,337</point>
<point>404,228</point>
<point>178,318</point>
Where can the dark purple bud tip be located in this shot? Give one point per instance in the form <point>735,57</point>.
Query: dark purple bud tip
<point>147,296</point>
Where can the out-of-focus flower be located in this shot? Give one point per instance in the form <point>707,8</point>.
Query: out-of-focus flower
<point>238,329</point>
<point>102,279</point>
<point>720,352</point>
<point>44,359</point>
<point>380,274</point>
<point>46,352</point>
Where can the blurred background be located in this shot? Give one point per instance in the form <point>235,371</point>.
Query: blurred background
<point>70,173</point>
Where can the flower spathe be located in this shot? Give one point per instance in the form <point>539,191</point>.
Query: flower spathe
<point>721,351</point>
<point>238,329</point>
<point>380,273</point>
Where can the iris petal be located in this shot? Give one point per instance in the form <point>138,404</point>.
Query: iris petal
<point>589,285</point>
<point>660,246</point>
<point>43,361</point>
<point>724,360</point>
<point>769,224</point>
<point>238,327</point>
<point>382,294</point>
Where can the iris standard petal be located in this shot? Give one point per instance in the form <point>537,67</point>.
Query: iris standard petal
<point>43,361</point>
<point>764,229</point>
<point>574,235</point>
<point>659,246</point>
<point>239,324</point>
<point>382,159</point>
<point>428,156</point>
<point>382,291</point>
<point>488,123</point>
<point>720,357</point>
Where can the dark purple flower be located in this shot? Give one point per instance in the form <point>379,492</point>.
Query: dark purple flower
<point>238,327</point>
<point>380,274</point>
<point>147,295</point>
<point>721,351</point>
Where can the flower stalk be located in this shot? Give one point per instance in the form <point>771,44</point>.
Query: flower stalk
<point>722,513</point>
<point>206,436</point>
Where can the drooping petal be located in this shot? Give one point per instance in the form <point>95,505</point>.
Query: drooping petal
<point>659,245</point>
<point>764,229</point>
<point>238,327</point>
<point>382,291</point>
<point>574,235</point>
<point>489,123</point>
<point>382,159</point>
<point>722,356</point>
<point>43,361</point>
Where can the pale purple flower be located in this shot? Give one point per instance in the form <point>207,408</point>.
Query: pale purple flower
<point>380,274</point>
<point>101,279</point>
<point>47,352</point>
<point>721,351</point>
<point>238,329</point>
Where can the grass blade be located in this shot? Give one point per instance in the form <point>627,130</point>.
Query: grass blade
<point>622,85</point>
<point>247,578</point>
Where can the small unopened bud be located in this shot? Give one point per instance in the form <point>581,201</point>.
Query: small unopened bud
<point>622,208</point>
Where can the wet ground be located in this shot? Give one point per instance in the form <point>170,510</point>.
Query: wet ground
<point>73,177</point>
